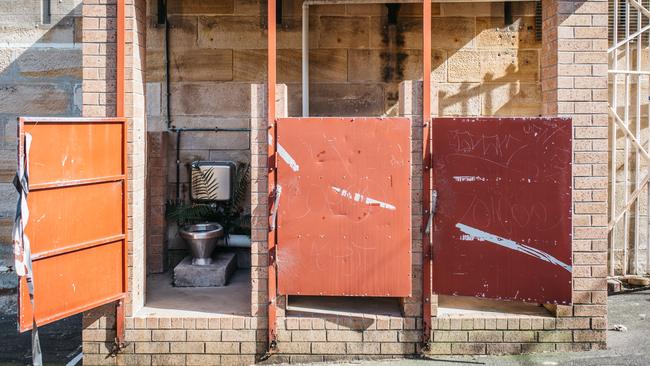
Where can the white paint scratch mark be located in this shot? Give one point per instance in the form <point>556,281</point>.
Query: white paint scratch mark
<point>480,235</point>
<point>284,154</point>
<point>276,203</point>
<point>288,159</point>
<point>469,178</point>
<point>357,197</point>
<point>76,360</point>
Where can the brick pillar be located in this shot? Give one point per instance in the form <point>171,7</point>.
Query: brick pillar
<point>135,111</point>
<point>410,106</point>
<point>156,196</point>
<point>98,37</point>
<point>574,84</point>
<point>99,92</point>
<point>259,199</point>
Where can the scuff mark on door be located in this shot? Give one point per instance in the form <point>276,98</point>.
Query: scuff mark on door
<point>358,197</point>
<point>480,235</point>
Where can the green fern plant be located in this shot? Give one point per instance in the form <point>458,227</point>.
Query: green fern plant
<point>203,185</point>
<point>229,214</point>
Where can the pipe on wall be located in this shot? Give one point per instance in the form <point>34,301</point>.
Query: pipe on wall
<point>163,17</point>
<point>235,241</point>
<point>168,92</point>
<point>305,59</point>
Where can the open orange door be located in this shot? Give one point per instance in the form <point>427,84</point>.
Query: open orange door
<point>73,215</point>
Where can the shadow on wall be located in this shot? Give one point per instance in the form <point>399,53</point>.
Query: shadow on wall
<point>358,56</point>
<point>40,75</point>
<point>498,74</point>
<point>502,96</point>
<point>479,65</point>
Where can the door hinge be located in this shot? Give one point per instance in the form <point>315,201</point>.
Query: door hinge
<point>434,199</point>
<point>272,161</point>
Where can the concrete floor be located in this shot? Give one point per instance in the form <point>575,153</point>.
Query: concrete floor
<point>163,299</point>
<point>345,306</point>
<point>447,306</point>
<point>472,306</point>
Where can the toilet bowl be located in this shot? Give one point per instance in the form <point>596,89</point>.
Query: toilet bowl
<point>202,240</point>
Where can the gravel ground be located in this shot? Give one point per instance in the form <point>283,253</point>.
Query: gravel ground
<point>61,341</point>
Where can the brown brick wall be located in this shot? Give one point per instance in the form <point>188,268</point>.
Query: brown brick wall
<point>156,229</point>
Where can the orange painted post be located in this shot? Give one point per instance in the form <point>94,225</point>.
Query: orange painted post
<point>119,109</point>
<point>426,173</point>
<point>121,30</point>
<point>272,235</point>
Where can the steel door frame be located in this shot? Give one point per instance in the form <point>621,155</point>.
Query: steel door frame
<point>426,176</point>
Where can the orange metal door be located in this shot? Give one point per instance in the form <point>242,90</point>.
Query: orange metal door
<point>76,221</point>
<point>343,205</point>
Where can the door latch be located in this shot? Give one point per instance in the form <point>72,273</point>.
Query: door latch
<point>434,200</point>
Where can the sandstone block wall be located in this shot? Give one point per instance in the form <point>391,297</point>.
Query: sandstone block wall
<point>357,57</point>
<point>40,75</point>
<point>357,60</point>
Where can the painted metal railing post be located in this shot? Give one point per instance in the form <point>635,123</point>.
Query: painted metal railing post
<point>637,155</point>
<point>272,179</point>
<point>426,174</point>
<point>613,168</point>
<point>627,69</point>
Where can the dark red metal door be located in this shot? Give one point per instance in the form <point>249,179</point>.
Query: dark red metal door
<point>77,216</point>
<point>503,216</point>
<point>343,206</point>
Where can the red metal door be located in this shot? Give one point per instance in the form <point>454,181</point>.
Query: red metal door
<point>76,222</point>
<point>503,217</point>
<point>343,206</point>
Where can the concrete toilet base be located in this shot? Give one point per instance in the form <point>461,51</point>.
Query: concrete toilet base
<point>215,274</point>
